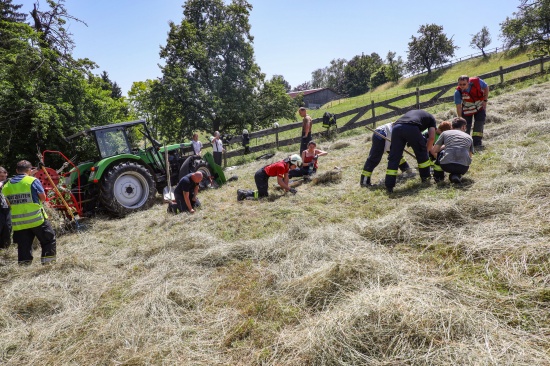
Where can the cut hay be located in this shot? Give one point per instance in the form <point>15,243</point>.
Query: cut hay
<point>332,176</point>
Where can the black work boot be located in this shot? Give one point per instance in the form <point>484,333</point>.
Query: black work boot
<point>241,194</point>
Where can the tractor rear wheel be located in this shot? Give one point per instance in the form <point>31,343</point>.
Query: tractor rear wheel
<point>127,187</point>
<point>207,175</point>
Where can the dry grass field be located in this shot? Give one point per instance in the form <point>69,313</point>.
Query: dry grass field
<point>334,275</point>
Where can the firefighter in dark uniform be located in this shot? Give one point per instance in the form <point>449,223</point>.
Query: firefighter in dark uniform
<point>25,195</point>
<point>408,130</point>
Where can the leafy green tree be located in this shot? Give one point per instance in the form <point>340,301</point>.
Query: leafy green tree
<point>358,72</point>
<point>336,76</point>
<point>430,49</point>
<point>378,77</point>
<point>45,94</point>
<point>529,25</point>
<point>210,78</point>
<point>319,78</point>
<point>273,103</point>
<point>395,67</point>
<point>9,12</point>
<point>481,40</point>
<point>286,84</point>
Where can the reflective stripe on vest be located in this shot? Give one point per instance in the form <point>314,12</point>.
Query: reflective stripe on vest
<point>425,164</point>
<point>25,214</point>
<point>472,101</point>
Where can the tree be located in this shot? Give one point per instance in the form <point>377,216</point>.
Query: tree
<point>358,72</point>
<point>335,76</point>
<point>306,85</point>
<point>9,12</point>
<point>285,83</point>
<point>395,67</point>
<point>481,40</point>
<point>45,95</point>
<point>319,78</point>
<point>210,77</point>
<point>529,25</point>
<point>378,77</point>
<point>431,48</point>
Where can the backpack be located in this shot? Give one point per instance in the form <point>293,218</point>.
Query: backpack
<point>329,120</point>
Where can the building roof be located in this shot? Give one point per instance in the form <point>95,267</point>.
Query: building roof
<point>306,92</point>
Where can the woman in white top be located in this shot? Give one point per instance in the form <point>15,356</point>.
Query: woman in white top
<point>197,145</point>
<point>217,147</point>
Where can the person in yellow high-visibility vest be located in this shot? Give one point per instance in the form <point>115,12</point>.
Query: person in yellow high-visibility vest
<point>25,195</point>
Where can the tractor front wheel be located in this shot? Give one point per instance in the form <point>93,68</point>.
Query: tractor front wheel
<point>127,187</point>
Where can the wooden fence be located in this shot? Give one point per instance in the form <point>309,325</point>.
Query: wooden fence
<point>366,115</point>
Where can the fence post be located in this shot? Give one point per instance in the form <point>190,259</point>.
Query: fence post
<point>417,98</point>
<point>501,75</point>
<point>276,127</point>
<point>372,107</point>
<point>542,64</point>
<point>224,159</point>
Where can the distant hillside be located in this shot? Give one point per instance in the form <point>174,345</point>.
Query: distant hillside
<point>334,275</point>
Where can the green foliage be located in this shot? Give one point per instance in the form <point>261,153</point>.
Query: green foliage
<point>481,40</point>
<point>358,73</point>
<point>529,26</point>
<point>395,67</point>
<point>210,81</point>
<point>45,94</point>
<point>332,76</point>
<point>379,77</point>
<point>431,48</point>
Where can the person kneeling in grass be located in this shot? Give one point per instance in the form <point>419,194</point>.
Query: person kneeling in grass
<point>280,170</point>
<point>454,150</point>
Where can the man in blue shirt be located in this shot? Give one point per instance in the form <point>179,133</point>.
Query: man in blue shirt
<point>25,195</point>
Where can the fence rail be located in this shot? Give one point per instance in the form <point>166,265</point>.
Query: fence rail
<point>359,119</point>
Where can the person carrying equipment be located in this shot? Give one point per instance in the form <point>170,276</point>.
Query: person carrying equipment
<point>280,170</point>
<point>25,195</point>
<point>454,151</point>
<point>378,148</point>
<point>309,159</point>
<point>408,129</point>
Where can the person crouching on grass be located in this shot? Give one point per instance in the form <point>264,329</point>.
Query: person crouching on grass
<point>186,194</point>
<point>309,159</point>
<point>280,170</point>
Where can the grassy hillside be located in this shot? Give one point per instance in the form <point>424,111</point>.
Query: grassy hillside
<point>335,275</point>
<point>445,76</point>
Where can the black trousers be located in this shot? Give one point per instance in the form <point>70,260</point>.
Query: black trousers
<point>217,157</point>
<point>180,201</point>
<point>5,228</point>
<point>402,134</point>
<point>46,237</point>
<point>377,152</point>
<point>304,142</point>
<point>262,182</point>
<point>478,120</point>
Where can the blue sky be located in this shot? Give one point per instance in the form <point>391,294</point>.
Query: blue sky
<point>291,38</point>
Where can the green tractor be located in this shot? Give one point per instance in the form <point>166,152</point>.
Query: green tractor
<point>129,170</point>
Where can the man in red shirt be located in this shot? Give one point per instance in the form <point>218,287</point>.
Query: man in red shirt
<point>280,170</point>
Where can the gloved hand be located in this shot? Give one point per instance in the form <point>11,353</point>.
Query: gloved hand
<point>293,190</point>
